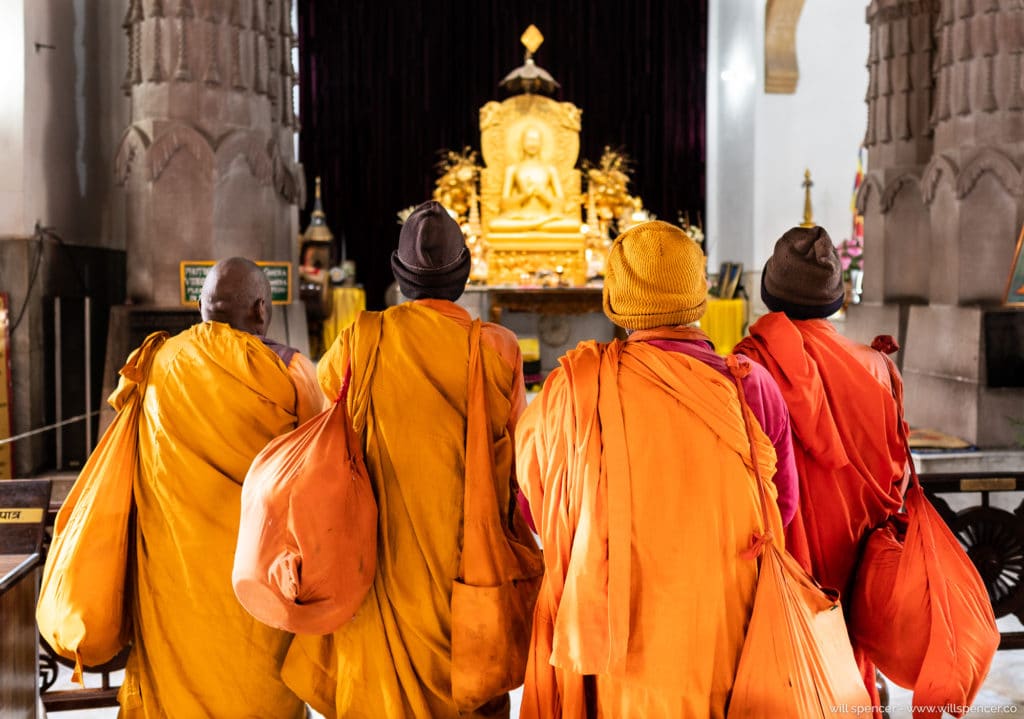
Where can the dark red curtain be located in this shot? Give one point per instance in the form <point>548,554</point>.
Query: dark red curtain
<point>385,85</point>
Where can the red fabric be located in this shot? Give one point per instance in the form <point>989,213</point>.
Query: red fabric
<point>847,445</point>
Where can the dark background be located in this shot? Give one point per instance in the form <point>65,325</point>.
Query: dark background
<point>386,85</point>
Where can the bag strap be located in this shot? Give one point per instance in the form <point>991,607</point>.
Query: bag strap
<point>885,344</point>
<point>480,500</point>
<point>739,367</point>
<point>368,324</point>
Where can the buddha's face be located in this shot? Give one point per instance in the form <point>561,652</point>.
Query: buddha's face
<point>531,141</point>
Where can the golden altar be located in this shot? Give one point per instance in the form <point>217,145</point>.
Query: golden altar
<point>522,209</point>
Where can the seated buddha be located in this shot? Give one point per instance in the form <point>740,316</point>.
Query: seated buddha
<point>532,199</point>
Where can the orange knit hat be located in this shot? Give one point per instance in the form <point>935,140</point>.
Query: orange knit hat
<point>654,277</point>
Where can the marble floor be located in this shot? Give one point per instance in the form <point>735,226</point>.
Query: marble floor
<point>1001,697</point>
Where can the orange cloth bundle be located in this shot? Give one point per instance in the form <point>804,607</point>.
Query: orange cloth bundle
<point>307,537</point>
<point>81,610</point>
<point>920,610</point>
<point>797,660</point>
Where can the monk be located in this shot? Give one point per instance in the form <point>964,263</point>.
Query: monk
<point>849,456</point>
<point>215,395</point>
<point>637,467</point>
<point>394,658</point>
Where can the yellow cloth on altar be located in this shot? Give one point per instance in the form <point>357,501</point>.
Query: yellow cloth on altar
<point>346,304</point>
<point>723,322</point>
<point>215,397</point>
<point>393,659</point>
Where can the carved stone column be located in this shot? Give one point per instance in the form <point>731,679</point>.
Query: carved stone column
<point>956,206</point>
<point>207,163</point>
<point>899,140</point>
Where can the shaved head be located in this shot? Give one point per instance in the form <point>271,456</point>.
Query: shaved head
<point>237,292</point>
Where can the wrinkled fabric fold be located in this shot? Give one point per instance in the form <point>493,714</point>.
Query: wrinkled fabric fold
<point>394,658</point>
<point>214,398</point>
<point>622,437</point>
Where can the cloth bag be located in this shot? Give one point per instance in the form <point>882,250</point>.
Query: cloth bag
<point>307,536</point>
<point>82,610</point>
<point>797,660</point>
<point>920,610</point>
<point>499,571</point>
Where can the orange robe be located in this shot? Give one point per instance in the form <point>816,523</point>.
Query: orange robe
<point>637,467</point>
<point>215,397</point>
<point>393,659</point>
<point>849,455</point>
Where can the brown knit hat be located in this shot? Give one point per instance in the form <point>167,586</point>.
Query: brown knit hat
<point>803,277</point>
<point>654,277</point>
<point>432,260</point>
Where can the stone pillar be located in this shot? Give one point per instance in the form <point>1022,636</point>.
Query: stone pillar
<point>207,163</point>
<point>899,141</point>
<point>944,201</point>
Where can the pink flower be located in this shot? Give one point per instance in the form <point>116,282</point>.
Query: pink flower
<point>846,261</point>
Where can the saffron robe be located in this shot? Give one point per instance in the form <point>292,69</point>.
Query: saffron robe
<point>849,455</point>
<point>762,395</point>
<point>393,659</point>
<point>215,397</point>
<point>623,441</point>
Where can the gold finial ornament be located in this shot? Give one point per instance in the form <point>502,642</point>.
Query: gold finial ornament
<point>808,212</point>
<point>318,231</point>
<point>531,39</point>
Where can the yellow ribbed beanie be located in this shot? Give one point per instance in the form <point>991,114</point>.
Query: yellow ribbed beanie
<point>654,277</point>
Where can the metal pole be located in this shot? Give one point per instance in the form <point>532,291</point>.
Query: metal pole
<point>58,392</point>
<point>88,377</point>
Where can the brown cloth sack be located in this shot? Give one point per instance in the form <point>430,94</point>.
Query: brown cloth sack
<point>307,537</point>
<point>920,610</point>
<point>797,660</point>
<point>500,569</point>
<point>82,610</point>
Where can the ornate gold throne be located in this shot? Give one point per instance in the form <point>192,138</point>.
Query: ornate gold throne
<point>527,238</point>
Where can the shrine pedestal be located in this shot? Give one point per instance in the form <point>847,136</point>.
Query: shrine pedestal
<point>560,317</point>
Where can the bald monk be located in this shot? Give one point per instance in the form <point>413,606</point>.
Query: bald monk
<point>637,467</point>
<point>394,658</point>
<point>216,394</point>
<point>849,456</point>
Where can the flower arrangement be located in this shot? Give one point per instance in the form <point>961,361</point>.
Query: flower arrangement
<point>851,254</point>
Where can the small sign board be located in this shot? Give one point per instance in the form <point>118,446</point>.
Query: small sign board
<point>6,452</point>
<point>194,272</point>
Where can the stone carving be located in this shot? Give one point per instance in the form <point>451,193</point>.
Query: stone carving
<point>175,137</point>
<point>132,21</point>
<point>258,51</point>
<point>212,76</point>
<point>184,15</point>
<point>156,72</point>
<point>990,160</point>
<point>948,185</point>
<point>207,165</point>
<point>237,27</point>
<point>939,166</point>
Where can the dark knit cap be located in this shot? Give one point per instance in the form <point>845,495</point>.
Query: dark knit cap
<point>803,277</point>
<point>432,260</point>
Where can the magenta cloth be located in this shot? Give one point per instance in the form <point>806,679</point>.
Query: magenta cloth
<point>766,402</point>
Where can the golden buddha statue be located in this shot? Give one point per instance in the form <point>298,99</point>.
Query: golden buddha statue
<point>530,211</point>
<point>531,196</point>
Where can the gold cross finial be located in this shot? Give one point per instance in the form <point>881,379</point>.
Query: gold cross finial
<point>317,187</point>
<point>531,39</point>
<point>808,212</point>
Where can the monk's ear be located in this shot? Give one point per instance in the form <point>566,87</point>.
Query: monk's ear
<point>261,315</point>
